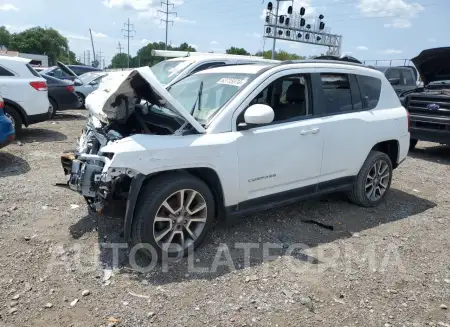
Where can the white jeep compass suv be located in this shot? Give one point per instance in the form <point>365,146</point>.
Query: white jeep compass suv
<point>231,140</point>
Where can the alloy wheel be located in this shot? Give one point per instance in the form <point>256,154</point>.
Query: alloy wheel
<point>377,180</point>
<point>180,220</point>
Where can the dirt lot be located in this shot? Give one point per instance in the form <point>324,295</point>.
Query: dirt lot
<point>387,266</point>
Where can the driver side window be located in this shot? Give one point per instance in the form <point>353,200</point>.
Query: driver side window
<point>288,96</point>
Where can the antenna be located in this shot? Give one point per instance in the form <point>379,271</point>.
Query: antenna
<point>129,29</point>
<point>167,13</point>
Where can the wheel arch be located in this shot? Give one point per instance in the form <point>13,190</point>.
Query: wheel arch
<point>391,148</point>
<point>19,110</point>
<point>208,175</point>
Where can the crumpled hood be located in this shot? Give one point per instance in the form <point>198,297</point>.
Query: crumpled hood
<point>433,64</point>
<point>118,92</point>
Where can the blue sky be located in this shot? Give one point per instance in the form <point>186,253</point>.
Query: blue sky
<point>371,29</point>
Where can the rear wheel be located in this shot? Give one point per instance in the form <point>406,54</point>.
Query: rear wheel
<point>173,215</point>
<point>81,99</point>
<point>15,118</point>
<point>373,181</point>
<point>412,144</point>
<point>53,108</point>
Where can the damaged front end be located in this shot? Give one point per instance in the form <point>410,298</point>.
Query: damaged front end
<point>89,171</point>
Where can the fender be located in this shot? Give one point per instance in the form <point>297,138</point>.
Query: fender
<point>133,193</point>
<point>21,111</point>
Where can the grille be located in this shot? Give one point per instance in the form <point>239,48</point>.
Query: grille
<point>417,104</point>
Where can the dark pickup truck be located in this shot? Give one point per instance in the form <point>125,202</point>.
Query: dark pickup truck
<point>429,106</point>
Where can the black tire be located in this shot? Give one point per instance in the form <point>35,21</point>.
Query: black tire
<point>15,116</point>
<point>412,144</point>
<point>82,100</point>
<point>358,194</point>
<point>151,197</point>
<point>55,108</point>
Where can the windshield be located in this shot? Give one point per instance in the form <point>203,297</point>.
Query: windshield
<point>89,77</point>
<point>216,90</point>
<point>165,71</point>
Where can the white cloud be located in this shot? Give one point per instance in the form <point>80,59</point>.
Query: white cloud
<point>254,34</point>
<point>214,43</point>
<point>77,37</point>
<point>8,7</point>
<point>390,51</point>
<point>399,23</point>
<point>18,28</point>
<point>362,48</point>
<point>98,34</point>
<point>195,46</point>
<point>402,11</point>
<point>432,40</point>
<point>184,20</point>
<point>145,41</point>
<point>139,5</point>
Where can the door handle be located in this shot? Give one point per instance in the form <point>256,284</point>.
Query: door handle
<point>310,131</point>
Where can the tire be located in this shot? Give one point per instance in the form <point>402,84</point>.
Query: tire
<point>149,204</point>
<point>359,195</point>
<point>81,101</point>
<point>412,144</point>
<point>55,108</point>
<point>15,118</point>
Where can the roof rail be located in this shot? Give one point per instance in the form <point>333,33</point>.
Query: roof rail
<point>321,61</point>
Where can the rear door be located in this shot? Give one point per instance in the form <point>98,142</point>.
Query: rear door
<point>345,125</point>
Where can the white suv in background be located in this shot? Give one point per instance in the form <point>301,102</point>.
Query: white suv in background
<point>170,71</point>
<point>231,140</point>
<point>24,92</point>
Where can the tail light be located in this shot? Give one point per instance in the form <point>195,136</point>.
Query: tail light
<point>2,105</point>
<point>39,86</point>
<point>70,88</point>
<point>409,120</point>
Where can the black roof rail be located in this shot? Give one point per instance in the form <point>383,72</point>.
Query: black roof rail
<point>320,61</point>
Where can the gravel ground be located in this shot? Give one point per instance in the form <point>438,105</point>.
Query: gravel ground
<point>330,263</point>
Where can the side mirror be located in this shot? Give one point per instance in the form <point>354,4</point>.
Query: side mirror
<point>394,81</point>
<point>259,114</point>
<point>93,83</point>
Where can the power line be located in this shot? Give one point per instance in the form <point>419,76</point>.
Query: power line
<point>167,13</point>
<point>129,29</point>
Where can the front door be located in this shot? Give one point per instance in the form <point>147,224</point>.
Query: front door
<point>286,155</point>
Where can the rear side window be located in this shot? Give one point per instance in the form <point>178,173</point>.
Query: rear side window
<point>370,88</point>
<point>337,92</point>
<point>5,72</point>
<point>31,69</point>
<point>393,73</point>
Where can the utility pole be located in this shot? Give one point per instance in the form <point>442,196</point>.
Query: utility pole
<point>84,57</point>
<point>129,29</point>
<point>120,48</point>
<point>93,50</point>
<point>88,57</point>
<point>99,57</point>
<point>166,12</point>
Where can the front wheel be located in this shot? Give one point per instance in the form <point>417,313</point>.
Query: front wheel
<point>15,118</point>
<point>373,181</point>
<point>53,108</point>
<point>173,215</point>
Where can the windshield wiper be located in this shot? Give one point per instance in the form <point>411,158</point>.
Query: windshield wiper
<point>199,99</point>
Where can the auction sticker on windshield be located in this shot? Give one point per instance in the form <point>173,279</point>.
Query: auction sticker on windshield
<point>233,81</point>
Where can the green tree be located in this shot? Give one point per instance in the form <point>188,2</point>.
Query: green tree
<point>38,40</point>
<point>280,55</point>
<point>144,55</point>
<point>69,58</point>
<point>237,51</point>
<point>4,36</point>
<point>120,60</point>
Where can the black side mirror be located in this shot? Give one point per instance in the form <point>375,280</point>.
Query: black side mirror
<point>394,81</point>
